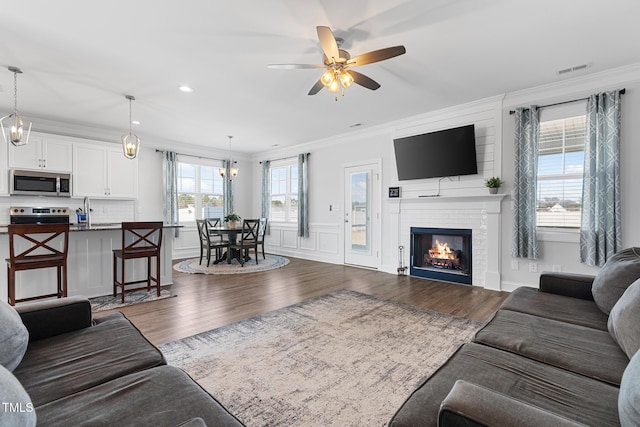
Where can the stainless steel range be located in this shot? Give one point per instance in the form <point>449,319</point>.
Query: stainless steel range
<point>40,215</point>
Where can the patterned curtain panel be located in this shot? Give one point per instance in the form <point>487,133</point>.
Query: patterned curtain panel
<point>303,195</point>
<point>600,230</point>
<point>527,132</point>
<point>227,188</point>
<point>266,191</point>
<point>170,185</point>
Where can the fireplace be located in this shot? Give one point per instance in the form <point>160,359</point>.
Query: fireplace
<point>441,254</point>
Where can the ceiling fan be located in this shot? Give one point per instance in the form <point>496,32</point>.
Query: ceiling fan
<point>339,64</point>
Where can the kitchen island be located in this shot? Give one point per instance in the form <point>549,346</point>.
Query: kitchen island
<point>90,263</point>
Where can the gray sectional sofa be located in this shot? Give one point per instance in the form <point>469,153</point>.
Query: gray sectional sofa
<point>60,367</point>
<point>552,356</point>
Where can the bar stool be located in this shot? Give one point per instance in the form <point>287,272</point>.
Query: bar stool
<point>40,253</point>
<point>139,240</point>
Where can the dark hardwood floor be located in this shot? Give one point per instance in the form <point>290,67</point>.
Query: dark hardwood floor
<point>205,302</point>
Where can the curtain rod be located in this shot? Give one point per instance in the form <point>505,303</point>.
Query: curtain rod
<point>622,91</point>
<point>191,155</point>
<point>284,158</point>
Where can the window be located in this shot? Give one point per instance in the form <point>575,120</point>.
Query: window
<point>284,193</point>
<point>560,167</point>
<point>200,193</point>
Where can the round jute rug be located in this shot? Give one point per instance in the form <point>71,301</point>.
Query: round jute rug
<point>193,266</point>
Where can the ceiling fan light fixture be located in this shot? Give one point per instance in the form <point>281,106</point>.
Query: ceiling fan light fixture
<point>334,86</point>
<point>328,77</point>
<point>346,78</point>
<point>16,125</point>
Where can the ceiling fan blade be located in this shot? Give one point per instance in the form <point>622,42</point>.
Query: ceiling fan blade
<point>363,80</point>
<point>293,66</point>
<point>316,88</point>
<point>377,55</point>
<point>328,43</point>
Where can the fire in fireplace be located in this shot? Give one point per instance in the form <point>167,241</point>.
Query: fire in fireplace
<point>441,254</point>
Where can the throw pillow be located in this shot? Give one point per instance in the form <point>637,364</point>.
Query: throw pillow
<point>614,278</point>
<point>14,337</point>
<point>17,409</point>
<point>629,397</point>
<point>623,322</point>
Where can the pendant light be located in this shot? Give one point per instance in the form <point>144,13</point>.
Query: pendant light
<point>16,128</point>
<point>130,141</point>
<point>233,170</point>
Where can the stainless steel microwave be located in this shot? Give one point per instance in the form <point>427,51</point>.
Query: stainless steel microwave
<point>35,183</point>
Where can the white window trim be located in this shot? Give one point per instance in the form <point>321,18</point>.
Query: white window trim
<point>198,200</point>
<point>279,164</point>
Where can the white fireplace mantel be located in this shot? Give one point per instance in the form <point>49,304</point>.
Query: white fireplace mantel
<point>480,213</point>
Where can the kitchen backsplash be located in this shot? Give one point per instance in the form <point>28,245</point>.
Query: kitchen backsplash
<point>102,210</point>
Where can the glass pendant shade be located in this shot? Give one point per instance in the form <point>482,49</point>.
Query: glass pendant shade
<point>16,127</point>
<point>130,145</point>
<point>233,170</point>
<point>130,141</point>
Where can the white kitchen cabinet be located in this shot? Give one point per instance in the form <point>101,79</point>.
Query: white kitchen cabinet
<point>43,152</point>
<point>102,171</point>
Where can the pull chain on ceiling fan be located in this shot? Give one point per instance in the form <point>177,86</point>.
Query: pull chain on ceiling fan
<point>338,63</point>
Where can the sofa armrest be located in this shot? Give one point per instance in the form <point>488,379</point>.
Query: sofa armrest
<point>469,404</point>
<point>45,319</point>
<point>567,284</point>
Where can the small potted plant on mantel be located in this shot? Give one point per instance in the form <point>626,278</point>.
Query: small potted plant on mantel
<point>493,184</point>
<point>231,219</point>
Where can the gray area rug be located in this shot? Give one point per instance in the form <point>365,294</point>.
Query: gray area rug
<point>345,359</point>
<point>109,302</point>
<point>193,265</point>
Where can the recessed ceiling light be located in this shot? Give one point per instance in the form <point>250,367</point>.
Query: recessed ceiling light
<point>185,88</point>
<point>135,122</point>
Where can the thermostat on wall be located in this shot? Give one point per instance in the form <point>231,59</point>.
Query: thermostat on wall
<point>394,192</point>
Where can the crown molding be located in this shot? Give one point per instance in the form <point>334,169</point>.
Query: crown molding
<point>583,85</point>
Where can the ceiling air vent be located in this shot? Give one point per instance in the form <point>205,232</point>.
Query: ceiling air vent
<point>571,69</point>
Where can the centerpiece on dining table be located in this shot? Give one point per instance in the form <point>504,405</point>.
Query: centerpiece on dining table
<point>232,219</point>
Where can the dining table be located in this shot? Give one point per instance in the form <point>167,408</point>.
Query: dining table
<point>232,233</point>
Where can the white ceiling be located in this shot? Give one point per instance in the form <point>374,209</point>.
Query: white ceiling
<point>80,58</point>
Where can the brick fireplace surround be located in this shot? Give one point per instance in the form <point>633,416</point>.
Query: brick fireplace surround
<point>481,214</point>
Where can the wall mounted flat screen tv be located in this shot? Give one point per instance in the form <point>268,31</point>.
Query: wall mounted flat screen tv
<point>449,152</point>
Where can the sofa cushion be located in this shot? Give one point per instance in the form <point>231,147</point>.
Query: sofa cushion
<point>586,351</point>
<point>629,401</point>
<point>556,307</point>
<point>14,337</point>
<point>64,364</point>
<point>624,324</point>
<point>575,397</point>
<point>17,409</point>
<point>162,396</point>
<point>620,271</point>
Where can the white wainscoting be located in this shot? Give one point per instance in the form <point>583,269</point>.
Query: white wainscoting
<point>323,243</point>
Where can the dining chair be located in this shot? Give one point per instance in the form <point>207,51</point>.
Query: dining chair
<point>213,223</point>
<point>41,246</point>
<point>262,230</point>
<point>248,240</point>
<point>139,240</point>
<point>209,241</point>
